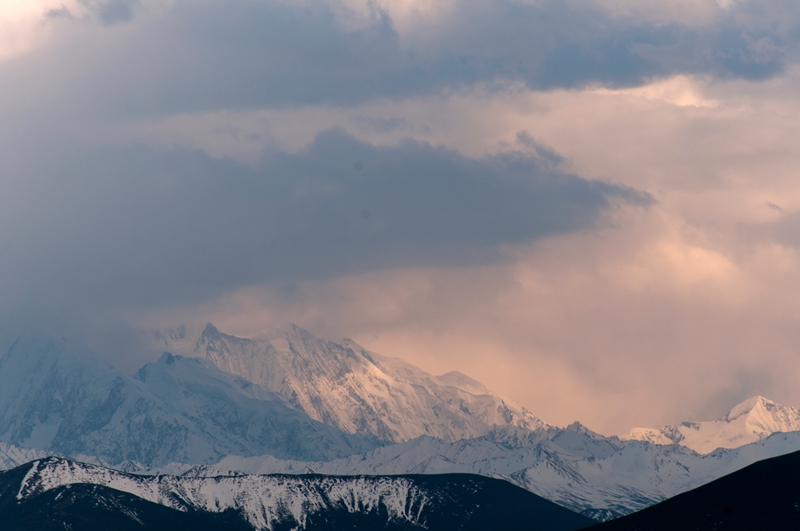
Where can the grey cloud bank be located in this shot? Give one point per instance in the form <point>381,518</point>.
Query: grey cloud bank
<point>207,55</point>
<point>135,226</point>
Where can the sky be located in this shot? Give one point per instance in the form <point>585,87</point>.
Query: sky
<point>590,206</point>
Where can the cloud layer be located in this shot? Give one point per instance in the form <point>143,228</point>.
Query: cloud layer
<point>137,226</point>
<point>600,195</point>
<point>131,58</point>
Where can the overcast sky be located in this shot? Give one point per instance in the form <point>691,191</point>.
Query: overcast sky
<point>591,206</point>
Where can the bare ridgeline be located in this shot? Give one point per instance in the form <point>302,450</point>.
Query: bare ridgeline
<point>350,439</point>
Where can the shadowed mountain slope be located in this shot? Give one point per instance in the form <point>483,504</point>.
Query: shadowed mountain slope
<point>764,496</point>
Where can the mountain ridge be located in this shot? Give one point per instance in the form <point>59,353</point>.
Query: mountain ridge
<point>316,502</point>
<point>356,390</point>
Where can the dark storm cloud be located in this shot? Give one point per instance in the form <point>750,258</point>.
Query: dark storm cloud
<point>132,226</point>
<point>199,55</point>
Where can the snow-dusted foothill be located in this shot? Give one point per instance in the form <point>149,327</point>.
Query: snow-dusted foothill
<point>435,503</point>
<point>752,420</point>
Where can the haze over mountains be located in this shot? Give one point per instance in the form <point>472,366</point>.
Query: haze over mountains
<point>64,399</point>
<point>289,402</point>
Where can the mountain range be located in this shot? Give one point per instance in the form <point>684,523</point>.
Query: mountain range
<point>598,476</point>
<point>289,402</point>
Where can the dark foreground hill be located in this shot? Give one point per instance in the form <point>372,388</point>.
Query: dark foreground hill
<point>55,493</point>
<point>764,496</point>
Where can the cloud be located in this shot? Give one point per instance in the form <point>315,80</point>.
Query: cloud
<point>135,226</point>
<point>624,326</point>
<point>776,208</point>
<point>115,11</point>
<point>437,232</point>
<point>190,56</point>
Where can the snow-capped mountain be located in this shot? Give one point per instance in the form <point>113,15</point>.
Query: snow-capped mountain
<point>315,502</point>
<point>357,391</point>
<point>180,412</point>
<point>57,397</point>
<point>752,420</point>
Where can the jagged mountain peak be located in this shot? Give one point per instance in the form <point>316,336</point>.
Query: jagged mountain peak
<point>210,330</point>
<point>751,405</point>
<point>751,420</point>
<point>345,385</point>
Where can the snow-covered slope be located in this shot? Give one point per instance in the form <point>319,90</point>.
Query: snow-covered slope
<point>234,412</point>
<point>357,391</point>
<point>294,502</point>
<point>752,420</point>
<point>61,398</point>
<point>583,471</point>
<point>266,501</point>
